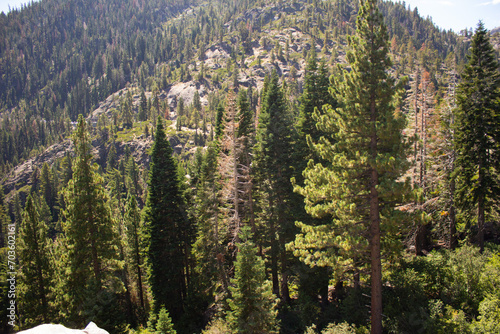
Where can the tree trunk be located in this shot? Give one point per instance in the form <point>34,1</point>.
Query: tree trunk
<point>274,258</point>
<point>480,207</point>
<point>376,264</point>
<point>285,293</point>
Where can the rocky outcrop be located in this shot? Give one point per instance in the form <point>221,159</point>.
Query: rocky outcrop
<point>19,176</point>
<point>60,329</point>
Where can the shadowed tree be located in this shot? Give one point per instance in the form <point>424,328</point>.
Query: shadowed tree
<point>168,231</point>
<point>477,135</point>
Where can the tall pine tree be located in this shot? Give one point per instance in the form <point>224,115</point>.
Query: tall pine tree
<point>168,230</point>
<point>477,134</point>
<point>134,228</point>
<point>273,161</point>
<point>252,305</point>
<point>36,280</point>
<point>316,96</point>
<point>360,187</point>
<point>91,239</point>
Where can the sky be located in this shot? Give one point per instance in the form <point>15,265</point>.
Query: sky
<point>446,14</point>
<point>459,14</point>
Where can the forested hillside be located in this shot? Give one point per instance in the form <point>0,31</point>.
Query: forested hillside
<point>248,166</point>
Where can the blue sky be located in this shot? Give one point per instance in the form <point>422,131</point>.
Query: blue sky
<point>459,14</point>
<point>447,14</point>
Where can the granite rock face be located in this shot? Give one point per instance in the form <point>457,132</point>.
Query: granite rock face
<point>60,329</point>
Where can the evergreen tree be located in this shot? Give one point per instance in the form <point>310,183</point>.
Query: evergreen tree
<point>316,96</point>
<point>209,248</point>
<point>4,219</point>
<point>133,178</point>
<point>36,279</point>
<point>273,161</point>
<point>164,324</point>
<point>48,189</point>
<point>219,122</point>
<point>360,188</point>
<point>180,114</point>
<point>90,236</point>
<point>168,230</point>
<point>252,304</point>
<point>477,134</point>
<point>127,114</point>
<point>143,107</point>
<point>135,245</point>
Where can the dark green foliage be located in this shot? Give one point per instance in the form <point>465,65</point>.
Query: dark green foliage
<point>37,268</point>
<point>361,187</point>
<point>219,122</point>
<point>135,249</point>
<point>273,170</point>
<point>168,230</point>
<point>60,59</point>
<point>252,304</point>
<point>90,235</point>
<point>316,95</point>
<point>441,293</point>
<point>4,219</point>
<point>143,108</point>
<point>48,190</point>
<point>477,134</point>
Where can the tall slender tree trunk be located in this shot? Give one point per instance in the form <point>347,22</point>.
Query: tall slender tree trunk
<point>480,208</point>
<point>274,253</point>
<point>285,292</point>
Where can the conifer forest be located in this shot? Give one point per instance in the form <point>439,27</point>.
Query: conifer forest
<point>248,166</point>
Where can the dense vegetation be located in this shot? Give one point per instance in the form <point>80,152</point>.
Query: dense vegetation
<point>328,155</point>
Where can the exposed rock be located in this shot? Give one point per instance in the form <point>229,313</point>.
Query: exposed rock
<point>60,329</point>
<point>19,176</point>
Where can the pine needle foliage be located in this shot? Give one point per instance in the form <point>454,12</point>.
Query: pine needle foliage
<point>361,186</point>
<point>37,278</point>
<point>252,305</point>
<point>168,230</point>
<point>478,131</point>
<point>90,234</point>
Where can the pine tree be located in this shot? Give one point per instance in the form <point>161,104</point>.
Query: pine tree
<point>273,161</point>
<point>4,219</point>
<point>90,235</point>
<point>252,304</point>
<point>478,131</point>
<point>36,280</point>
<point>143,108</point>
<point>180,114</point>
<point>164,324</point>
<point>135,245</point>
<point>48,189</point>
<point>316,96</point>
<point>360,188</point>
<point>127,114</point>
<point>168,230</point>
